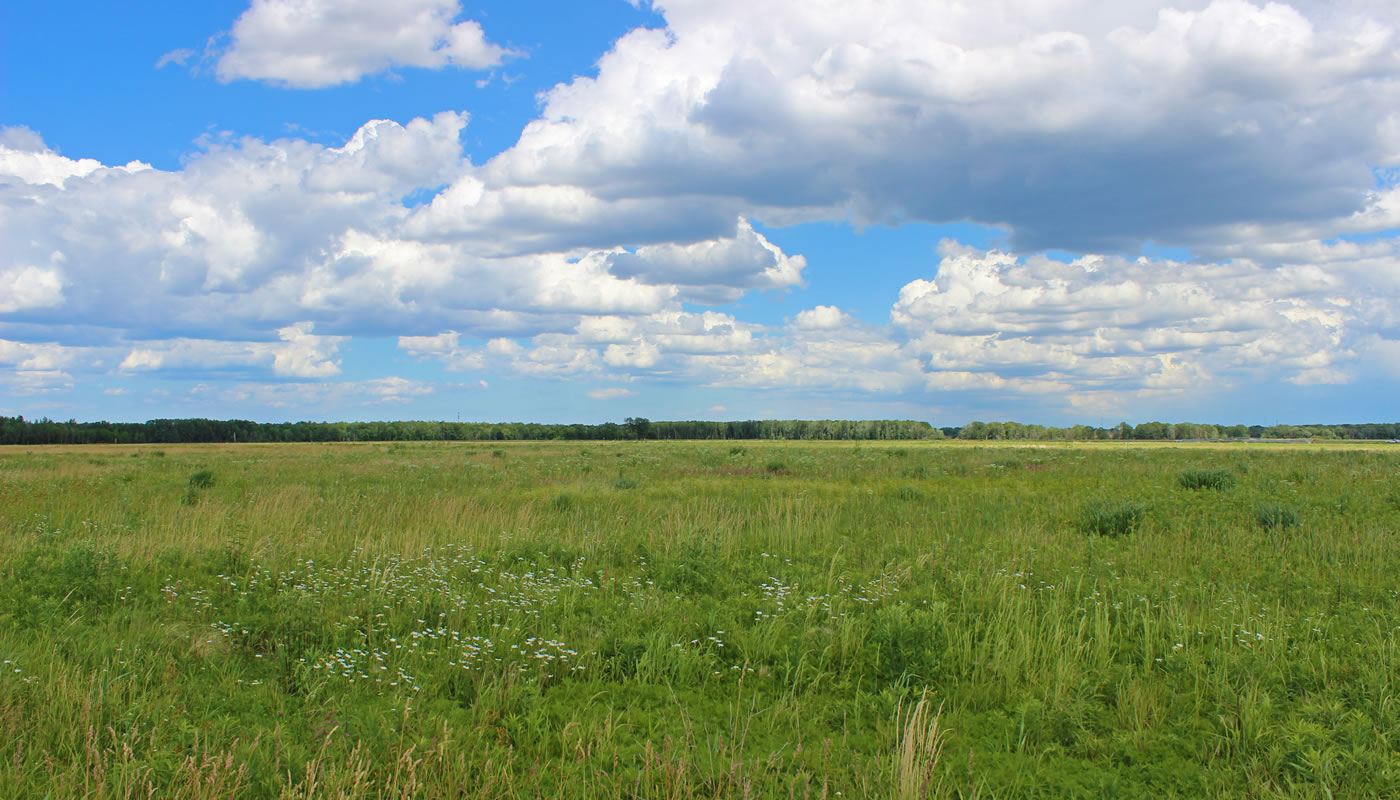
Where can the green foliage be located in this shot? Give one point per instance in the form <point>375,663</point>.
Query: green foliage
<point>776,465</point>
<point>1217,479</point>
<point>1112,517</point>
<point>203,479</point>
<point>695,568</point>
<point>1275,516</point>
<point>907,644</point>
<point>639,427</point>
<point>50,582</point>
<point>909,493</point>
<point>234,558</point>
<point>564,502</point>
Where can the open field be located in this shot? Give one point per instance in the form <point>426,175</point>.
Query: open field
<point>710,619</point>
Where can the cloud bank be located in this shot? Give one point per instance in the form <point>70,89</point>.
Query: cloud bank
<point>610,239</point>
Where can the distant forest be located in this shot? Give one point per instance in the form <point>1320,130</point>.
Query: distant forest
<point>18,430</point>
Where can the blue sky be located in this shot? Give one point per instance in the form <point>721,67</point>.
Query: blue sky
<point>429,209</point>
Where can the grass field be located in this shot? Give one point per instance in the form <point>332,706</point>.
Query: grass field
<point>709,619</point>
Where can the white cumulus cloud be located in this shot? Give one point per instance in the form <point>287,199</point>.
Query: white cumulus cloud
<point>27,287</point>
<point>310,44</point>
<point>820,318</point>
<point>301,354</point>
<point>713,270</point>
<point>1076,125</point>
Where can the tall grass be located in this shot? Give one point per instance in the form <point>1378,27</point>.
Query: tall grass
<point>434,619</point>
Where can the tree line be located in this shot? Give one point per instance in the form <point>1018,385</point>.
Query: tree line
<point>1178,431</point>
<point>18,430</point>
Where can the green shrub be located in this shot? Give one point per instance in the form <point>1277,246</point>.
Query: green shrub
<point>564,501</point>
<point>1274,516</point>
<point>775,465</point>
<point>1112,518</point>
<point>736,451</point>
<point>1217,479</point>
<point>909,493</point>
<point>203,479</point>
<point>626,482</point>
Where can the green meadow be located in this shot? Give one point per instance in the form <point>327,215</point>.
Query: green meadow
<point>700,620</point>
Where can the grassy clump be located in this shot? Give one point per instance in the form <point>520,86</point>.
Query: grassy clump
<point>776,465</point>
<point>909,493</point>
<point>1112,517</point>
<point>1275,516</point>
<point>563,502</point>
<point>203,479</point>
<point>1217,479</point>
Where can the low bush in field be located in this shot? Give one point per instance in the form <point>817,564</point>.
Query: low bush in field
<point>1217,479</point>
<point>1112,517</point>
<point>202,479</point>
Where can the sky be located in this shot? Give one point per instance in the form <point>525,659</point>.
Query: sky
<point>1052,211</point>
